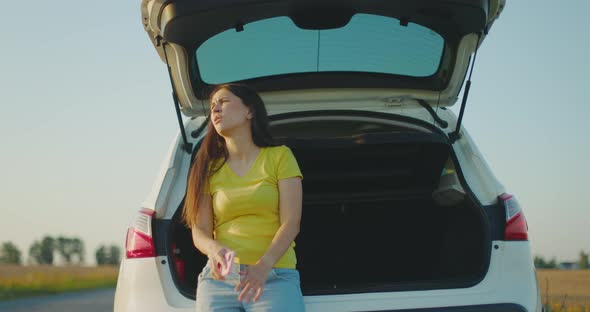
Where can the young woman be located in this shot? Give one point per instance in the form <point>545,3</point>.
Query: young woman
<point>244,196</point>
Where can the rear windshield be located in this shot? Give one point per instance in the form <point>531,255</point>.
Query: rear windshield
<point>276,46</point>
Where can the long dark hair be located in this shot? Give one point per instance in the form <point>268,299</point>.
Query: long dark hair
<point>213,153</point>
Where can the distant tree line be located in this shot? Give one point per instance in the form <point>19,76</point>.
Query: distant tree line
<point>110,255</point>
<point>541,263</point>
<point>10,253</point>
<point>69,249</point>
<point>582,262</point>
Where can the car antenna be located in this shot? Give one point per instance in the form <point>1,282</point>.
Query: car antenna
<point>188,147</point>
<point>454,136</point>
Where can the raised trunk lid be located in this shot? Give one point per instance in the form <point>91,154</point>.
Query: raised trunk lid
<point>216,41</point>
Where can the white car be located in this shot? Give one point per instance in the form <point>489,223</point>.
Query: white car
<point>401,211</point>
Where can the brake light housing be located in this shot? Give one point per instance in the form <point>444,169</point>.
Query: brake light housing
<point>178,262</point>
<point>516,225</point>
<point>139,242</point>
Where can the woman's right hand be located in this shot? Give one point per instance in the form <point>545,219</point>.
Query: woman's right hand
<point>217,258</point>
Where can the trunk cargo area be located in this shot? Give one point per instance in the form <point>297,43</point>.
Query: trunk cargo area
<point>370,221</point>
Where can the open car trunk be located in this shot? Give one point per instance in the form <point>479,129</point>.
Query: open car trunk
<point>384,210</point>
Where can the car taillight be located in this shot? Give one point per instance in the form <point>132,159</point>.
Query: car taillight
<point>516,225</point>
<point>178,262</point>
<point>139,243</point>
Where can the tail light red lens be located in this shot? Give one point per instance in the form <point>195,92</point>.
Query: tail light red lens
<point>139,243</point>
<point>516,224</point>
<point>178,262</point>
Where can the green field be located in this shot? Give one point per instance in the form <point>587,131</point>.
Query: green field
<point>23,281</point>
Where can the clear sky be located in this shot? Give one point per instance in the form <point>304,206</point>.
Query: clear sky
<point>86,118</point>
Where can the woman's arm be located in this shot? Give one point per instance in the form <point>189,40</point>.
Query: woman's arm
<point>202,233</point>
<point>290,206</point>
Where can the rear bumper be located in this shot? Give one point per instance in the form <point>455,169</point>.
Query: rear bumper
<point>141,287</point>
<point>510,286</point>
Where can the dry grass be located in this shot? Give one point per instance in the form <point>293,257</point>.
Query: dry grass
<point>19,281</point>
<point>564,290</point>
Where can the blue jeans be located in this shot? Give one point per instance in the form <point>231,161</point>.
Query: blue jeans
<point>282,292</point>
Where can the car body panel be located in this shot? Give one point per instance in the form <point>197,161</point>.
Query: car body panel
<point>140,288</point>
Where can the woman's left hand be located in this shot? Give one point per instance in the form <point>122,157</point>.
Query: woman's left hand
<point>251,284</point>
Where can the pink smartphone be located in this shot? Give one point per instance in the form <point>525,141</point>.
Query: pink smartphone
<point>229,259</point>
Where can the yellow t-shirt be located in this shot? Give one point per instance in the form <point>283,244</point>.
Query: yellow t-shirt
<point>246,208</point>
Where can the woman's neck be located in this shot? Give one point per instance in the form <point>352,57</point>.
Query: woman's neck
<point>241,147</point>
